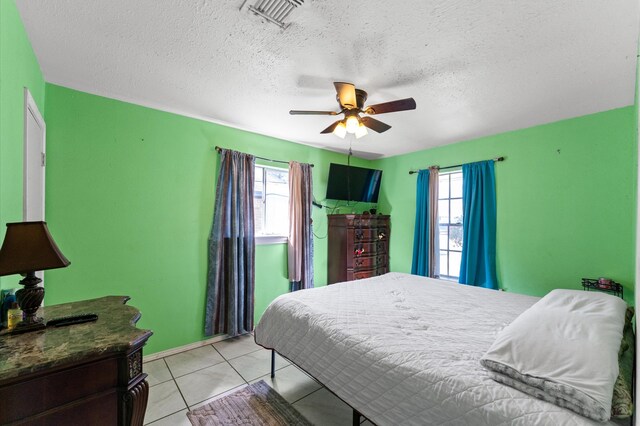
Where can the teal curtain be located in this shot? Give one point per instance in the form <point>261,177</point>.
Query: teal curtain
<point>478,266</point>
<point>231,272</point>
<point>420,263</point>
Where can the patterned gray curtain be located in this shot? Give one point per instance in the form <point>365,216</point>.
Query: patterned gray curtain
<point>231,273</point>
<point>300,257</point>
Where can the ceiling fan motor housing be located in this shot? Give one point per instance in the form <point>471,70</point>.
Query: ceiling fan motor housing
<point>361,98</point>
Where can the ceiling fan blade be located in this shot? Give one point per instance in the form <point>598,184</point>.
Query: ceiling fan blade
<point>375,125</point>
<point>346,95</point>
<point>331,128</point>
<point>296,112</point>
<point>393,106</point>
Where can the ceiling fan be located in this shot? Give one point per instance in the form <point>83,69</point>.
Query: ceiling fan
<point>351,101</point>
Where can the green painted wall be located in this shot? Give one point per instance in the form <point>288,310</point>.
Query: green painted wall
<point>566,199</point>
<point>130,194</point>
<point>18,69</point>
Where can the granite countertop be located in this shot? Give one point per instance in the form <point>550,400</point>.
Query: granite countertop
<point>114,331</point>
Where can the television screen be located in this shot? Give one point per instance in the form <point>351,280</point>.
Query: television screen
<point>353,183</point>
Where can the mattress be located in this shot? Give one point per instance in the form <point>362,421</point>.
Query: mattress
<point>405,350</point>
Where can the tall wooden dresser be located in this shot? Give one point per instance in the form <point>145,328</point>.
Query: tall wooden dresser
<point>358,246</point>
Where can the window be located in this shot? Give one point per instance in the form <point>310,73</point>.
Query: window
<point>450,214</point>
<point>271,204</point>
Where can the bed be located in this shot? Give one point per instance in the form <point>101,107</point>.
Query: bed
<point>403,349</point>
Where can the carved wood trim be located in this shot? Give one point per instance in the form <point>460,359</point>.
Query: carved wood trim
<point>134,363</point>
<point>135,403</point>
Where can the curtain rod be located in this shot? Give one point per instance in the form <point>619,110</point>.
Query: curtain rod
<point>218,149</point>
<point>453,167</point>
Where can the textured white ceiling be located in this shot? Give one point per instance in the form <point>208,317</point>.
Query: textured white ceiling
<point>474,67</point>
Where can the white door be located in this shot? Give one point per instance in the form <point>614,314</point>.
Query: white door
<point>34,160</point>
<point>34,163</point>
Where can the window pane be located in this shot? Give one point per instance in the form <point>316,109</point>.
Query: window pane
<point>443,263</point>
<point>276,203</point>
<point>443,237</point>
<point>258,202</point>
<point>277,214</point>
<point>258,189</point>
<point>278,182</point>
<point>443,211</point>
<point>455,237</point>
<point>443,186</point>
<point>454,263</point>
<point>257,214</point>
<point>456,211</point>
<point>456,185</point>
<point>258,174</point>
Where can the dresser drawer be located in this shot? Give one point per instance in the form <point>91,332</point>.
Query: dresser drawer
<point>369,262</point>
<point>367,235</point>
<point>382,270</point>
<point>367,221</point>
<point>364,222</point>
<point>364,263</point>
<point>369,249</point>
<point>359,275</point>
<point>57,389</point>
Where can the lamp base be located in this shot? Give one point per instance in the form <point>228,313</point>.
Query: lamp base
<point>29,299</point>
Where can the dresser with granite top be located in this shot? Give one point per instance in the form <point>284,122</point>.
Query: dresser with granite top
<point>88,373</point>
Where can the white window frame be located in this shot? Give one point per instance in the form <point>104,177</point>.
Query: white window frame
<point>449,225</point>
<point>270,239</point>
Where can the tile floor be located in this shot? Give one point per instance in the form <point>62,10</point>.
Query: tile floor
<point>193,378</point>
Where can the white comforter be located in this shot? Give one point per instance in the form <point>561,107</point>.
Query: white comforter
<point>405,350</point>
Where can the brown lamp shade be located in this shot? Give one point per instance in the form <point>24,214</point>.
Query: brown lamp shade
<point>27,247</point>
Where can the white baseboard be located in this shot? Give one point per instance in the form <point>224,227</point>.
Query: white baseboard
<point>179,349</point>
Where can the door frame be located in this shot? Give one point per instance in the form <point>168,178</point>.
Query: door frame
<point>30,107</point>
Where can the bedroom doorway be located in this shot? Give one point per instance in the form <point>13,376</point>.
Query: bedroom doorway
<point>34,164</point>
<point>34,160</point>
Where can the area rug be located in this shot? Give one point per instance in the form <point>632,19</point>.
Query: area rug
<point>256,404</point>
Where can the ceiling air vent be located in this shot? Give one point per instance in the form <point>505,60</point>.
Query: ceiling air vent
<point>274,11</point>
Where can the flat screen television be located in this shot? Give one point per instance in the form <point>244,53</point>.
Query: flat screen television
<point>351,183</point>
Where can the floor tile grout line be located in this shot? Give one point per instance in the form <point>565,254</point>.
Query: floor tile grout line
<point>309,394</point>
<point>199,369</point>
<point>164,417</point>
<point>240,356</point>
<point>176,383</point>
<point>238,373</point>
<point>216,396</point>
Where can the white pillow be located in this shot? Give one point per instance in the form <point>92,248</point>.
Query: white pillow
<point>567,346</point>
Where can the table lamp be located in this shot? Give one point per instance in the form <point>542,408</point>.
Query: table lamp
<point>28,247</point>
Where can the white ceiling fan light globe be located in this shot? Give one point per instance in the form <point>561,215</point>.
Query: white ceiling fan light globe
<point>340,130</point>
<point>352,124</point>
<point>362,131</point>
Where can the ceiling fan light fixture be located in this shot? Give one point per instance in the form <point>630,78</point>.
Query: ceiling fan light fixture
<point>352,124</point>
<point>361,131</point>
<point>340,130</point>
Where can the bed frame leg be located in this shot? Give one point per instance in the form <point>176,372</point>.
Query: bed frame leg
<point>356,418</point>
<point>273,363</point>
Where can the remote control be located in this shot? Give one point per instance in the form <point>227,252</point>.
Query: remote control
<point>71,319</point>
